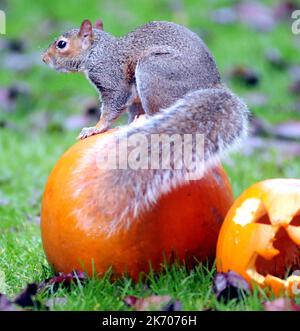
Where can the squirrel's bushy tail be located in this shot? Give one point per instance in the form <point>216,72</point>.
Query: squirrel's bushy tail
<point>216,114</point>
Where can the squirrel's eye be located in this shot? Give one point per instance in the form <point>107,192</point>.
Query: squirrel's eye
<point>61,44</point>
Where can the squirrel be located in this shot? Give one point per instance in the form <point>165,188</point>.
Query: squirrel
<point>164,72</point>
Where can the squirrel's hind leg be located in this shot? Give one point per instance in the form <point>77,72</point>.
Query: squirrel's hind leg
<point>135,111</point>
<point>134,105</point>
<point>161,80</point>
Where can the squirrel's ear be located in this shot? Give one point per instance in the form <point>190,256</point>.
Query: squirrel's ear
<point>86,29</point>
<point>98,25</point>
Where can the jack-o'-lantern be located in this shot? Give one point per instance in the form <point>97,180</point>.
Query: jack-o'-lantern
<point>260,237</point>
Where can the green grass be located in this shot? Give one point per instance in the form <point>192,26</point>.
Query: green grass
<point>28,151</point>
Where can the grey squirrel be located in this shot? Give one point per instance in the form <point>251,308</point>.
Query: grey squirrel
<point>162,70</point>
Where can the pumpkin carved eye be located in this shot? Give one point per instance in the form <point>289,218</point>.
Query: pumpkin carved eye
<point>260,237</point>
<point>296,221</point>
<point>264,220</point>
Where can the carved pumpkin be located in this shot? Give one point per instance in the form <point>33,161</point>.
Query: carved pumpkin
<point>260,237</point>
<point>184,224</point>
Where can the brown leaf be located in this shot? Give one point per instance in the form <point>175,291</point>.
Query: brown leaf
<point>282,304</point>
<point>230,285</point>
<point>286,149</point>
<point>25,298</point>
<point>20,61</point>
<point>153,302</point>
<point>283,10</point>
<point>259,127</point>
<point>245,75</point>
<point>256,15</point>
<point>63,279</point>
<point>6,304</point>
<point>288,130</point>
<point>9,95</point>
<point>16,46</point>
<point>224,16</point>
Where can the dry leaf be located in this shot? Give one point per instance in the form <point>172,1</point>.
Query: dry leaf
<point>281,304</point>
<point>153,302</point>
<point>230,285</point>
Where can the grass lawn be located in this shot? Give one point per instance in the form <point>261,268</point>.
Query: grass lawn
<point>29,148</point>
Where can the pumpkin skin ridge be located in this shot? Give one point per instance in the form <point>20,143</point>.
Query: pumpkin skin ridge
<point>245,266</point>
<point>186,221</point>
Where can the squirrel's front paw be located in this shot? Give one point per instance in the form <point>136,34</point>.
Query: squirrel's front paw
<point>87,132</point>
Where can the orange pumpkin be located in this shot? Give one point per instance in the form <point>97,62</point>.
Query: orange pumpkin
<point>184,224</point>
<point>260,237</point>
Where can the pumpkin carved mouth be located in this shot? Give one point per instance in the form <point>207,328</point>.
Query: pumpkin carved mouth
<point>260,238</point>
<point>281,267</point>
<point>278,262</point>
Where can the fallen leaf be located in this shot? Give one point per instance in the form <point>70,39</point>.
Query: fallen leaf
<point>245,75</point>
<point>131,300</point>
<point>16,45</point>
<point>285,149</point>
<point>20,61</point>
<point>287,130</point>
<point>25,298</point>
<point>256,15</point>
<point>63,279</point>
<point>153,302</point>
<point>6,305</point>
<point>281,304</point>
<point>229,286</point>
<point>224,16</point>
<point>9,95</point>
<point>283,10</point>
<point>258,126</point>
<point>173,306</point>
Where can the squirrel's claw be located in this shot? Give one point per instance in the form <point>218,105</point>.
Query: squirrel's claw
<point>91,131</point>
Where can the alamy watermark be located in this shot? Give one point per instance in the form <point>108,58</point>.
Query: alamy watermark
<point>140,151</point>
<point>296,24</point>
<point>2,22</point>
